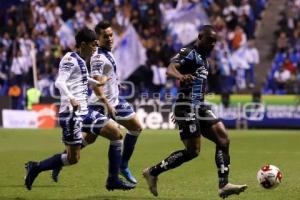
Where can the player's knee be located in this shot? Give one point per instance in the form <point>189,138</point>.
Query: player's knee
<point>90,139</point>
<point>139,128</point>
<point>137,131</point>
<point>192,153</point>
<point>73,159</point>
<point>117,135</point>
<point>224,142</point>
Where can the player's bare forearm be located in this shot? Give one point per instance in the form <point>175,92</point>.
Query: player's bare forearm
<point>173,72</point>
<point>96,83</point>
<point>99,89</point>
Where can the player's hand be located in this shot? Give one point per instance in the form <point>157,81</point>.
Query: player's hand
<point>103,81</point>
<point>75,104</point>
<point>187,78</point>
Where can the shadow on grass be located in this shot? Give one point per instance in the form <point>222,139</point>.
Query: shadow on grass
<point>133,198</point>
<point>23,186</point>
<point>108,198</point>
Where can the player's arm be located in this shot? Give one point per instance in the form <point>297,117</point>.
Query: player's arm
<point>176,63</point>
<point>97,73</point>
<point>99,91</point>
<point>66,68</point>
<point>96,83</point>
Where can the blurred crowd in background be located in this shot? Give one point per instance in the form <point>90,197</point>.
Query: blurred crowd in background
<point>48,26</point>
<point>284,77</point>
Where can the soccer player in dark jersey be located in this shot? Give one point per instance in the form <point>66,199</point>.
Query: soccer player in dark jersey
<point>193,117</point>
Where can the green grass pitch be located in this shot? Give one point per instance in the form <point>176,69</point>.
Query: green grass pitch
<point>195,180</point>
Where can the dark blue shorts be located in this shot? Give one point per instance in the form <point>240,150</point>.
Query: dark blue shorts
<point>93,122</point>
<point>124,110</point>
<point>71,125</point>
<point>193,122</point>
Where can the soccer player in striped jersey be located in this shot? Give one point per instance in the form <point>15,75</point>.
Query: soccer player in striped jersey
<point>72,82</point>
<point>193,117</point>
<point>104,68</point>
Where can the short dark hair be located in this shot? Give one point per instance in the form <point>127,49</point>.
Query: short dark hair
<point>101,26</point>
<point>85,35</point>
<point>205,29</point>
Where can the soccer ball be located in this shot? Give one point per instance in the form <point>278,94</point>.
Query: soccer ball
<point>269,176</point>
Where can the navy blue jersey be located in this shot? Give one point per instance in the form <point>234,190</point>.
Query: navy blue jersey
<point>191,62</point>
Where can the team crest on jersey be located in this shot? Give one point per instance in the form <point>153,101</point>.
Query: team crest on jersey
<point>66,66</point>
<point>193,128</point>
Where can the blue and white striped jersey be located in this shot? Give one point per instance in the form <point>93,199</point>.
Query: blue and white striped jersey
<point>103,64</point>
<point>72,82</point>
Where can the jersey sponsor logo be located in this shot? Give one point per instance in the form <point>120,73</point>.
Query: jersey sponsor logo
<point>97,65</point>
<point>66,66</point>
<point>202,72</point>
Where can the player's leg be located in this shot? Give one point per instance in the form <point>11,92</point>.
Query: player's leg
<point>177,158</point>
<point>91,127</point>
<point>111,131</point>
<point>217,133</point>
<point>98,124</point>
<point>174,160</point>
<point>87,139</point>
<point>72,138</point>
<point>127,118</point>
<point>134,128</point>
<point>191,137</point>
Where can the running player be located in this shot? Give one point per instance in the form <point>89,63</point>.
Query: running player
<point>72,81</point>
<point>104,68</point>
<point>193,117</point>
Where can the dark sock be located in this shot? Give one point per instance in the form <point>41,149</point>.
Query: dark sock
<point>222,159</point>
<point>174,160</point>
<point>114,156</point>
<point>128,147</point>
<point>50,163</point>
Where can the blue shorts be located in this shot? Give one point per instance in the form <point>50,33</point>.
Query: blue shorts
<point>93,122</point>
<point>124,110</point>
<point>71,125</point>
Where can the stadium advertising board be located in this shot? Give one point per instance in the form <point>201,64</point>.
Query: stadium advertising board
<point>271,112</point>
<point>46,115</point>
<point>19,119</point>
